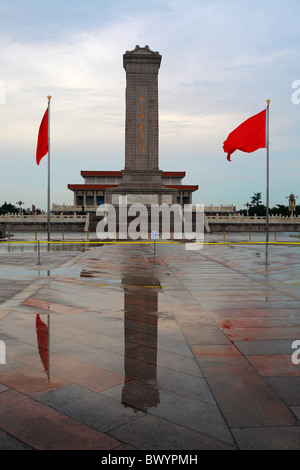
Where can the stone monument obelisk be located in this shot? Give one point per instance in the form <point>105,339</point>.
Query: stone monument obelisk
<point>141,178</point>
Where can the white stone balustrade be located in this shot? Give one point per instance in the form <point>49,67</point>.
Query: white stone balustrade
<point>220,208</point>
<point>230,218</point>
<point>242,219</point>
<point>65,208</point>
<point>42,218</point>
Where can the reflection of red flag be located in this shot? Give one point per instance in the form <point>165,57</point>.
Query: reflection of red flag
<point>42,339</point>
<point>42,143</point>
<point>248,136</point>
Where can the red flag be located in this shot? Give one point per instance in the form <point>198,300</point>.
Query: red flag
<point>42,143</point>
<point>248,136</point>
<point>42,339</point>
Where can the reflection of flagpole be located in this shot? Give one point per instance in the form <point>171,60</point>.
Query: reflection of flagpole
<point>267,189</point>
<point>48,202</point>
<point>48,349</point>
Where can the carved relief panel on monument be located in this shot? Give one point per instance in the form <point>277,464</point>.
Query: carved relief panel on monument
<point>142,120</point>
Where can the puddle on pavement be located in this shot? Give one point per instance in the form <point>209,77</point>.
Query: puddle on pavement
<point>16,273</point>
<point>46,351</point>
<point>33,248</point>
<point>96,275</point>
<point>25,242</point>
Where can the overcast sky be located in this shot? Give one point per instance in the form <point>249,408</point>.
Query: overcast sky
<point>221,60</point>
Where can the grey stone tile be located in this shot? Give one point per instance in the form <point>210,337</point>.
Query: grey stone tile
<point>8,442</point>
<point>163,343</point>
<point>193,414</point>
<point>184,384</point>
<point>242,394</point>
<point>93,409</point>
<point>173,361</point>
<point>10,364</point>
<point>135,394</point>
<point>252,348</point>
<point>96,339</point>
<point>296,411</point>
<point>152,432</point>
<point>16,348</point>
<point>91,355</point>
<point>287,388</point>
<point>168,379</point>
<point>277,438</point>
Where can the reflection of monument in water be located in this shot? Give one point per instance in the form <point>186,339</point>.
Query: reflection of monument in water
<point>140,341</point>
<point>140,327</point>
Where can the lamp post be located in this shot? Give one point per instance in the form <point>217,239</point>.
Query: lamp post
<point>247,206</point>
<point>292,203</point>
<point>20,203</point>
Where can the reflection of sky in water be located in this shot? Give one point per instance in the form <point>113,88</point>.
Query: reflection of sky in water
<point>6,247</point>
<point>42,236</point>
<point>21,273</point>
<point>13,272</point>
<point>29,248</point>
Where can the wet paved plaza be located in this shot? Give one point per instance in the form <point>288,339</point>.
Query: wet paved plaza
<point>104,350</point>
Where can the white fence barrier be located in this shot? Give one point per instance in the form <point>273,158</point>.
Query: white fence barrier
<point>42,218</point>
<point>243,219</point>
<point>231,218</point>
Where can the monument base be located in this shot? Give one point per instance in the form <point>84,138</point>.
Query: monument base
<point>142,187</point>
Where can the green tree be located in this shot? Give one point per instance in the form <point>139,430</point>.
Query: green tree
<point>280,209</point>
<point>259,209</point>
<point>8,207</point>
<point>256,200</point>
<point>256,207</point>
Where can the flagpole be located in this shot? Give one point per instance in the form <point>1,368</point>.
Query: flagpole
<point>268,189</point>
<point>48,202</point>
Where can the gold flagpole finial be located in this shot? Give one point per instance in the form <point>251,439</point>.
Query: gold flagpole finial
<point>49,98</point>
<point>268,102</point>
